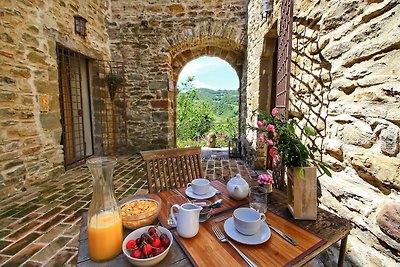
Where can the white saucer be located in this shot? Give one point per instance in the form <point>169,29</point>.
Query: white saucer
<point>263,235</point>
<point>211,192</point>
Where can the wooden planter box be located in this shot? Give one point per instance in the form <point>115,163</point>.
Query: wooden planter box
<point>302,193</point>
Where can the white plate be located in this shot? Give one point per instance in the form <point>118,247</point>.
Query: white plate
<point>211,192</point>
<point>263,235</point>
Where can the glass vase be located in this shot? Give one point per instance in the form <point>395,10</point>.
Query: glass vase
<point>104,216</point>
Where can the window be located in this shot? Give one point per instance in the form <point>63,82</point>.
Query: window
<point>80,25</point>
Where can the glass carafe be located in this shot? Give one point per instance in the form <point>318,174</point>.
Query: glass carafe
<point>104,216</point>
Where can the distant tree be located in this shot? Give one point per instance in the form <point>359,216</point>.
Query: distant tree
<point>194,116</point>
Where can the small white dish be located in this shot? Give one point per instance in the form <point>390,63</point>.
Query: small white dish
<point>211,192</point>
<point>260,237</point>
<point>149,261</point>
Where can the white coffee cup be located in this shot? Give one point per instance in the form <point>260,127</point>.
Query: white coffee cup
<point>247,220</point>
<point>200,186</point>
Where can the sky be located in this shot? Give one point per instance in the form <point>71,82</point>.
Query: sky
<point>210,72</point>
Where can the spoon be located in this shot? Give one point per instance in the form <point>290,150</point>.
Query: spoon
<point>216,204</point>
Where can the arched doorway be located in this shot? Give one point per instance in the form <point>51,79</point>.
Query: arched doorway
<point>182,51</point>
<point>207,103</point>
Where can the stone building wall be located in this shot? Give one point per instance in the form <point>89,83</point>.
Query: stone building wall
<point>346,84</point>
<point>30,129</point>
<point>156,39</point>
<point>261,40</point>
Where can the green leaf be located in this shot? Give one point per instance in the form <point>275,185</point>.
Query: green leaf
<point>302,174</point>
<point>326,171</point>
<point>309,131</point>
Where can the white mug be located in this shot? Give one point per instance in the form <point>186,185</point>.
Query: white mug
<point>247,220</point>
<point>200,186</point>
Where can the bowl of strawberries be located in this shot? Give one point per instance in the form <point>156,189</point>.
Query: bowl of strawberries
<point>147,245</point>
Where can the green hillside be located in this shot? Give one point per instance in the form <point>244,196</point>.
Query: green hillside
<point>203,111</point>
<point>225,103</point>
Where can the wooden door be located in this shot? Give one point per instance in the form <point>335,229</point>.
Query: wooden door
<point>75,106</point>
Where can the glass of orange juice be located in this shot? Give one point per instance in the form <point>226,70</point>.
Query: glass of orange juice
<point>104,216</point>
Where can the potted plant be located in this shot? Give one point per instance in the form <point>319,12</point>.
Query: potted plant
<point>283,143</point>
<point>266,180</point>
<point>114,81</point>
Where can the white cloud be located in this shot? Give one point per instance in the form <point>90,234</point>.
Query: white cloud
<point>198,84</point>
<point>210,72</point>
<point>200,65</point>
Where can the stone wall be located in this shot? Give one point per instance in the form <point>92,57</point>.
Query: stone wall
<point>261,39</point>
<point>156,39</point>
<point>30,128</point>
<point>345,83</point>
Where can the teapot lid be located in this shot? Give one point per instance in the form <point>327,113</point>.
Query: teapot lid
<point>237,179</point>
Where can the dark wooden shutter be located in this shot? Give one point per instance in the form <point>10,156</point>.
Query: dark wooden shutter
<point>283,57</point>
<point>284,53</point>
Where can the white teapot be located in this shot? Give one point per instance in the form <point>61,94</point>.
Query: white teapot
<point>237,187</point>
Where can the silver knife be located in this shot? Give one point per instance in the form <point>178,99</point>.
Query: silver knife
<point>284,236</point>
<point>176,191</point>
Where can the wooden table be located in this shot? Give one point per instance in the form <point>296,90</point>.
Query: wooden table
<point>328,226</point>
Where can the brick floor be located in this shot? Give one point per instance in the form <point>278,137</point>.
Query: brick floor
<point>40,227</point>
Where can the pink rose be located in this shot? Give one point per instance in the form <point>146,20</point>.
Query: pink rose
<point>270,128</point>
<point>273,152</point>
<point>260,124</point>
<point>265,179</point>
<point>275,138</point>
<point>270,142</point>
<point>274,112</point>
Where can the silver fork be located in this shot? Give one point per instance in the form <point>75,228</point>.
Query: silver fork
<point>223,239</point>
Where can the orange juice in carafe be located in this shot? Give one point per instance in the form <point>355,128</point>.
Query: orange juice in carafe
<point>104,215</point>
<point>105,236</point>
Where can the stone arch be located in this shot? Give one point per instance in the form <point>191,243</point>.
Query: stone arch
<point>207,39</point>
<point>234,58</point>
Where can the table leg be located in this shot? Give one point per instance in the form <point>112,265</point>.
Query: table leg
<point>342,252</point>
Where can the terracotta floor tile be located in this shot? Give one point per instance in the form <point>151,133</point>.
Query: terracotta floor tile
<point>74,260</point>
<point>51,249</point>
<point>23,255</point>
<point>73,230</point>
<point>76,216</point>
<point>53,233</point>
<point>46,208</point>
<point>31,264</point>
<point>50,213</point>
<point>9,212</point>
<point>74,243</point>
<point>46,226</point>
<point>60,258</point>
<point>4,233</point>
<point>4,244</point>
<point>3,259</point>
<point>24,230</point>
<point>21,222</point>
<point>20,244</point>
<point>26,211</point>
<point>70,201</point>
